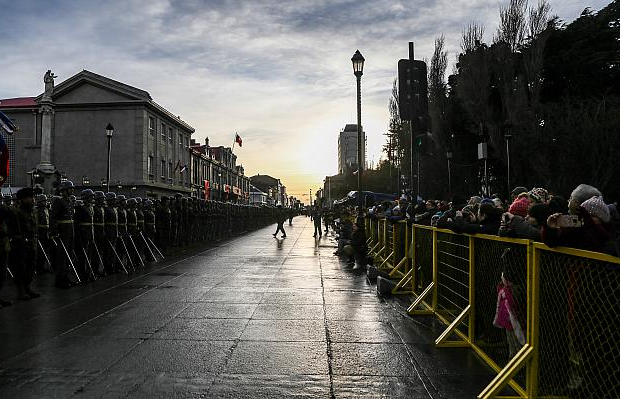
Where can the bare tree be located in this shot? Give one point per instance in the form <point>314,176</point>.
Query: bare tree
<point>538,19</point>
<point>512,25</point>
<point>471,37</point>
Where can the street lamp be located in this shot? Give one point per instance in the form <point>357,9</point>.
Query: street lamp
<point>109,131</point>
<point>508,136</point>
<point>219,185</point>
<point>449,158</point>
<point>358,71</point>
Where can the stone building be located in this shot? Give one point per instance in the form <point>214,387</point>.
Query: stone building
<point>347,149</point>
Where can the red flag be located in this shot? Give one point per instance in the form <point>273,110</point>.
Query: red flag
<point>238,139</point>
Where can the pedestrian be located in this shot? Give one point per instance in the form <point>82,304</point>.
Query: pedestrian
<point>280,219</point>
<point>316,217</point>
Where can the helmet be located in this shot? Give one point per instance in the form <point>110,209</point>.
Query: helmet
<point>65,185</point>
<point>110,196</point>
<point>100,194</point>
<point>41,198</point>
<point>138,200</point>
<point>148,202</point>
<point>87,194</point>
<point>72,197</point>
<point>121,198</point>
<point>131,202</point>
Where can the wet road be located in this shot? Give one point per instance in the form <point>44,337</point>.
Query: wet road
<point>253,317</point>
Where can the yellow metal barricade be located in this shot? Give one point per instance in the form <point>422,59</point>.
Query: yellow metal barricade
<point>560,340</point>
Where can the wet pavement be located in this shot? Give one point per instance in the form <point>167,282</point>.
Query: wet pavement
<point>252,317</point>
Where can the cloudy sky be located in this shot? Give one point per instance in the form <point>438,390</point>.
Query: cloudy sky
<point>277,72</point>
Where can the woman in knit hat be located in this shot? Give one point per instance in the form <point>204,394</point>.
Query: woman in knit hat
<point>593,235</point>
<point>528,227</point>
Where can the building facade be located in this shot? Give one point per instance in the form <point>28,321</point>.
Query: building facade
<point>62,134</point>
<point>275,190</point>
<point>347,149</point>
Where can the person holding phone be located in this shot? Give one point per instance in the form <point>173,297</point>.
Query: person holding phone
<point>587,228</point>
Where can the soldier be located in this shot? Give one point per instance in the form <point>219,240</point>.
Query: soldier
<point>23,234</point>
<point>149,227</point>
<point>111,234</point>
<point>61,232</point>
<point>43,224</point>
<point>99,245</point>
<point>121,246</point>
<point>163,222</point>
<point>174,222</point>
<point>132,230</point>
<point>139,227</point>
<point>5,214</point>
<point>83,221</point>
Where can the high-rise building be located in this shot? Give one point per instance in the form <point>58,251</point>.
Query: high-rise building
<point>347,149</point>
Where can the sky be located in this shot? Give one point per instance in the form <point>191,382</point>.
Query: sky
<point>277,72</point>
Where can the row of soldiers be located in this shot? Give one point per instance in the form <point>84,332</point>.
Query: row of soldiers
<point>94,234</point>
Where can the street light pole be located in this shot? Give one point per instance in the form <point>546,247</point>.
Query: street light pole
<point>449,158</point>
<point>358,71</point>
<point>109,131</point>
<point>508,136</point>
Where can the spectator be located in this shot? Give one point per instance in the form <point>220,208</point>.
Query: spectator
<point>516,192</point>
<point>528,227</point>
<point>594,233</point>
<point>558,204</point>
<point>538,196</point>
<point>580,194</point>
<point>488,221</point>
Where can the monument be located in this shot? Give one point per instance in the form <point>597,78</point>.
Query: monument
<point>47,171</point>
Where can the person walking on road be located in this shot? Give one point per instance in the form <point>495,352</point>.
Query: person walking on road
<point>316,217</point>
<point>281,218</point>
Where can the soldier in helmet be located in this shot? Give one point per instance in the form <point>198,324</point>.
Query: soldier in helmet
<point>22,229</point>
<point>43,225</point>
<point>61,231</point>
<point>149,226</point>
<point>121,247</point>
<point>139,209</point>
<point>5,214</point>
<point>163,222</point>
<point>132,230</point>
<point>111,234</point>
<point>85,235</point>
<point>99,244</point>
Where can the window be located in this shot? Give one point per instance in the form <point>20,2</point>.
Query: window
<point>186,142</point>
<point>163,169</point>
<point>152,126</point>
<point>149,165</point>
<point>170,135</point>
<point>163,132</point>
<point>170,173</point>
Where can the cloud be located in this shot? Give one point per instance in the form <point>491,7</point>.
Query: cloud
<point>278,72</point>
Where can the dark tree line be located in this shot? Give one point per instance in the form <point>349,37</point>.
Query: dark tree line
<point>552,87</point>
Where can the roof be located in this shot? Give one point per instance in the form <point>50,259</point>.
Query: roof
<point>350,128</point>
<point>19,102</point>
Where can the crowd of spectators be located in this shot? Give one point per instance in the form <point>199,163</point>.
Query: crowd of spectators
<point>584,221</point>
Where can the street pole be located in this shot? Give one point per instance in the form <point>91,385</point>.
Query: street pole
<point>449,157</point>
<point>358,71</point>
<point>508,137</point>
<point>109,130</point>
<point>411,77</point>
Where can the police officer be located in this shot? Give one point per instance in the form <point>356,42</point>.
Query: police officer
<point>23,235</point>
<point>83,221</point>
<point>111,234</point>
<point>61,232</point>
<point>99,244</point>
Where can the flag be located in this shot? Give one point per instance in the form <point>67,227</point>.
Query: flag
<point>4,161</point>
<point>238,139</point>
<point>183,168</point>
<point>8,125</point>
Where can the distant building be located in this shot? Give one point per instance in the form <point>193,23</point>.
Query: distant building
<point>347,149</point>
<point>276,192</point>
<point>257,197</point>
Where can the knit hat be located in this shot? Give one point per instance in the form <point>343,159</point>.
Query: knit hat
<point>474,200</point>
<point>518,190</point>
<point>519,207</point>
<point>539,194</point>
<point>596,207</point>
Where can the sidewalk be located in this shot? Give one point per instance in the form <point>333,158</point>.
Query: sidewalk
<point>253,317</point>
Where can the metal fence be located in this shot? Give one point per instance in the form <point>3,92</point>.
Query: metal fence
<point>542,318</point>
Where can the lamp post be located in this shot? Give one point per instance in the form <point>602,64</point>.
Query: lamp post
<point>109,131</point>
<point>449,158</point>
<point>219,186</point>
<point>358,71</point>
<point>508,136</point>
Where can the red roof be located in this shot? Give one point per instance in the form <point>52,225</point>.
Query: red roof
<point>20,102</point>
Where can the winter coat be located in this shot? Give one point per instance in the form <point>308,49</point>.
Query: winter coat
<point>518,227</point>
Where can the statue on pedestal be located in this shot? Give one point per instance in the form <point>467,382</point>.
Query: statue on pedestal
<point>48,79</point>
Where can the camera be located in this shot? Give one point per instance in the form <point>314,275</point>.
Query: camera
<point>569,221</point>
